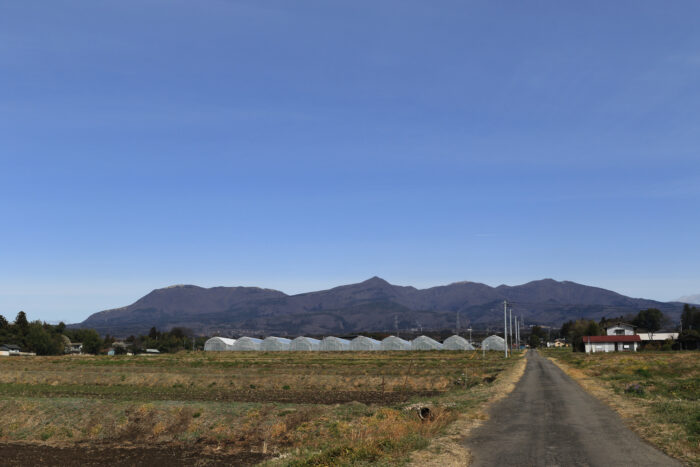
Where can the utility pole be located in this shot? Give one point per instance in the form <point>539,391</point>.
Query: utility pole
<point>396,325</point>
<point>517,344</point>
<point>470,334</point>
<point>510,325</point>
<point>505,325</point>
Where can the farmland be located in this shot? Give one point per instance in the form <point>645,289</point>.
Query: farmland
<point>279,408</point>
<point>656,393</point>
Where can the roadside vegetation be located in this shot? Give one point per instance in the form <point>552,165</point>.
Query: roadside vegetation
<point>657,393</point>
<point>291,408</point>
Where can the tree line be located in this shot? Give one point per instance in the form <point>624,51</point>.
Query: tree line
<point>650,320</point>
<point>55,339</point>
<point>46,339</point>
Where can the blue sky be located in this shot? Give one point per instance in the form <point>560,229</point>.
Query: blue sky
<point>302,145</point>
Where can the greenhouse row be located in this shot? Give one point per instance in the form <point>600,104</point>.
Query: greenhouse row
<point>360,343</point>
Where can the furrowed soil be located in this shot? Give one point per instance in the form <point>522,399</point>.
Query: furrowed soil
<point>239,408</point>
<point>23,455</point>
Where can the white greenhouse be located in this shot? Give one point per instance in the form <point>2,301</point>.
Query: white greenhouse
<point>305,344</point>
<point>493,343</point>
<point>395,343</point>
<point>365,343</point>
<point>274,344</point>
<point>219,344</point>
<point>425,343</point>
<point>334,344</point>
<point>247,343</point>
<point>457,343</point>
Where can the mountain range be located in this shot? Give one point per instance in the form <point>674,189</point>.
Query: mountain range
<point>372,305</point>
<point>690,299</point>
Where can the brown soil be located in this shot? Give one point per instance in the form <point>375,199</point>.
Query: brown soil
<point>252,395</point>
<point>32,455</point>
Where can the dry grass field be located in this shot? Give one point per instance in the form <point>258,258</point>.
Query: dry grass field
<point>284,408</point>
<point>657,393</point>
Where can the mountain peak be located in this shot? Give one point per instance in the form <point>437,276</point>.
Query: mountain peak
<point>375,280</point>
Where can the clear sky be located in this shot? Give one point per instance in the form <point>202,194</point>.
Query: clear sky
<point>300,145</point>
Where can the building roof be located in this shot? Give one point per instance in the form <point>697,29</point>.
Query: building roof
<point>598,339</point>
<point>658,336</point>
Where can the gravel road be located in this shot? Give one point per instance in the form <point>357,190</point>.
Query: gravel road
<point>549,420</point>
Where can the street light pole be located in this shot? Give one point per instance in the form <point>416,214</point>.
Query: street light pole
<point>505,325</point>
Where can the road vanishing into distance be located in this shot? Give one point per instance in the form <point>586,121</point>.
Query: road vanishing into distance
<point>549,420</point>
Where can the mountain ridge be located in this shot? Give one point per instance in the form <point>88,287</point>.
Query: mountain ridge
<point>370,305</point>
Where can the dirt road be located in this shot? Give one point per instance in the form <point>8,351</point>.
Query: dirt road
<point>549,420</point>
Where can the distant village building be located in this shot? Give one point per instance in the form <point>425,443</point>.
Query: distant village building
<point>74,348</point>
<point>7,350</point>
<point>611,343</point>
<point>657,336</point>
<point>620,329</point>
<point>620,337</point>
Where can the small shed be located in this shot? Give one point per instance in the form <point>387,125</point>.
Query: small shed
<point>247,344</point>
<point>334,344</point>
<point>305,344</point>
<point>275,344</point>
<point>395,343</point>
<point>493,343</point>
<point>425,343</point>
<point>362,343</point>
<point>219,344</point>
<point>457,343</point>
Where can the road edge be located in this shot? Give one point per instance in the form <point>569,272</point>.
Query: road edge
<point>624,408</point>
<point>449,449</point>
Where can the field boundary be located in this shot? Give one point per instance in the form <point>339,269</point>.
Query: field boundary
<point>449,449</point>
<point>631,412</point>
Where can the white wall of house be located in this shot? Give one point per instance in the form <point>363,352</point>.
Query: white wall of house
<point>594,347</point>
<point>620,330</point>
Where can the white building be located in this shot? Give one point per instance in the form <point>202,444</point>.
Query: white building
<point>275,344</point>
<point>219,344</point>
<point>620,329</point>
<point>247,344</point>
<point>457,343</point>
<point>611,343</point>
<point>425,343</point>
<point>363,343</point>
<point>334,344</point>
<point>657,336</point>
<point>395,343</point>
<point>305,344</point>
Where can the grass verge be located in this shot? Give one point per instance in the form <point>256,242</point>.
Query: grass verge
<point>656,393</point>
